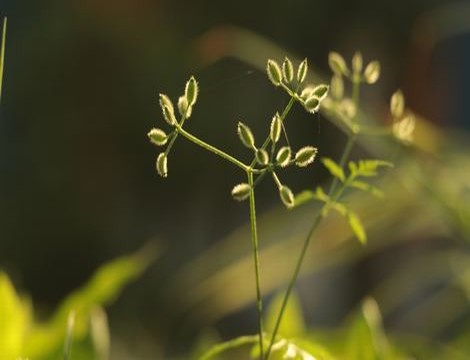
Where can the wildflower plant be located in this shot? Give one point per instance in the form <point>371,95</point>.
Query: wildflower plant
<point>273,155</point>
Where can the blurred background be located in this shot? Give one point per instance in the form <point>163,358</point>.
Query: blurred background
<point>78,184</point>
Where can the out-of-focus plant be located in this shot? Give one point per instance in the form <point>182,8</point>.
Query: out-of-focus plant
<point>78,329</point>
<point>347,174</point>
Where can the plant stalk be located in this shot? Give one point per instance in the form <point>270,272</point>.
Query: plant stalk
<point>254,240</point>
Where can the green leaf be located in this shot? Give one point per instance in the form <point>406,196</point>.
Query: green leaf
<point>369,168</point>
<point>333,168</point>
<point>292,324</point>
<point>216,350</point>
<point>321,195</point>
<point>304,197</point>
<point>366,338</point>
<point>339,207</point>
<point>15,318</point>
<point>361,185</point>
<point>356,227</point>
<point>103,287</point>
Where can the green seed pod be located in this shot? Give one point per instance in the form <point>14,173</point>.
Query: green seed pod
<point>165,101</point>
<point>357,62</point>
<point>241,191</point>
<point>307,92</point>
<point>337,87</point>
<point>372,72</point>
<point>403,130</point>
<point>312,104</point>
<point>283,156</point>
<point>287,70</point>
<point>305,156</point>
<point>337,64</point>
<point>348,108</point>
<point>274,72</point>
<point>169,116</point>
<point>161,165</point>
<point>302,71</point>
<point>397,104</point>
<point>276,127</point>
<point>245,135</point>
<point>157,137</point>
<point>320,91</point>
<point>191,91</point>
<point>183,107</point>
<point>287,196</point>
<point>262,157</point>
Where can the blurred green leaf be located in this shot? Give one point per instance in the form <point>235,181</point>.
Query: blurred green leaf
<point>304,197</point>
<point>292,324</point>
<point>357,227</point>
<point>15,318</point>
<point>333,168</point>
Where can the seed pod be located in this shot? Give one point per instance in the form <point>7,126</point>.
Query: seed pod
<point>397,104</point>
<point>165,101</point>
<point>191,91</point>
<point>357,62</point>
<point>276,127</point>
<point>287,70</point>
<point>312,104</point>
<point>348,108</point>
<point>372,72</point>
<point>337,87</point>
<point>161,165</point>
<point>287,196</point>
<point>320,91</point>
<point>262,157</point>
<point>184,108</point>
<point>241,191</point>
<point>274,72</point>
<point>403,130</point>
<point>283,156</point>
<point>169,116</point>
<point>245,135</point>
<point>337,64</point>
<point>305,156</point>
<point>302,71</point>
<point>157,137</point>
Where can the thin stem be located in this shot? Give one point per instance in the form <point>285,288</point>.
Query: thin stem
<point>254,239</point>
<point>316,223</point>
<point>212,149</point>
<point>2,53</point>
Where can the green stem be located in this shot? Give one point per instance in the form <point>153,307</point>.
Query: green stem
<point>316,223</point>
<point>212,149</point>
<point>2,54</point>
<point>254,239</point>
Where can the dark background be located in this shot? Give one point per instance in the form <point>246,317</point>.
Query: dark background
<point>77,179</point>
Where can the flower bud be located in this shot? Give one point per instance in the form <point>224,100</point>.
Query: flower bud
<point>241,191</point>
<point>161,165</point>
<point>372,72</point>
<point>305,156</point>
<point>262,157</point>
<point>276,127</point>
<point>397,104</point>
<point>357,62</point>
<point>312,104</point>
<point>191,91</point>
<point>337,87</point>
<point>287,196</point>
<point>337,64</point>
<point>283,156</point>
<point>287,70</point>
<point>157,137</point>
<point>245,135</point>
<point>274,72</point>
<point>302,71</point>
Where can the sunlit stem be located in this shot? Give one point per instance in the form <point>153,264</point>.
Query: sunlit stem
<point>316,222</point>
<point>254,240</point>
<point>2,54</point>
